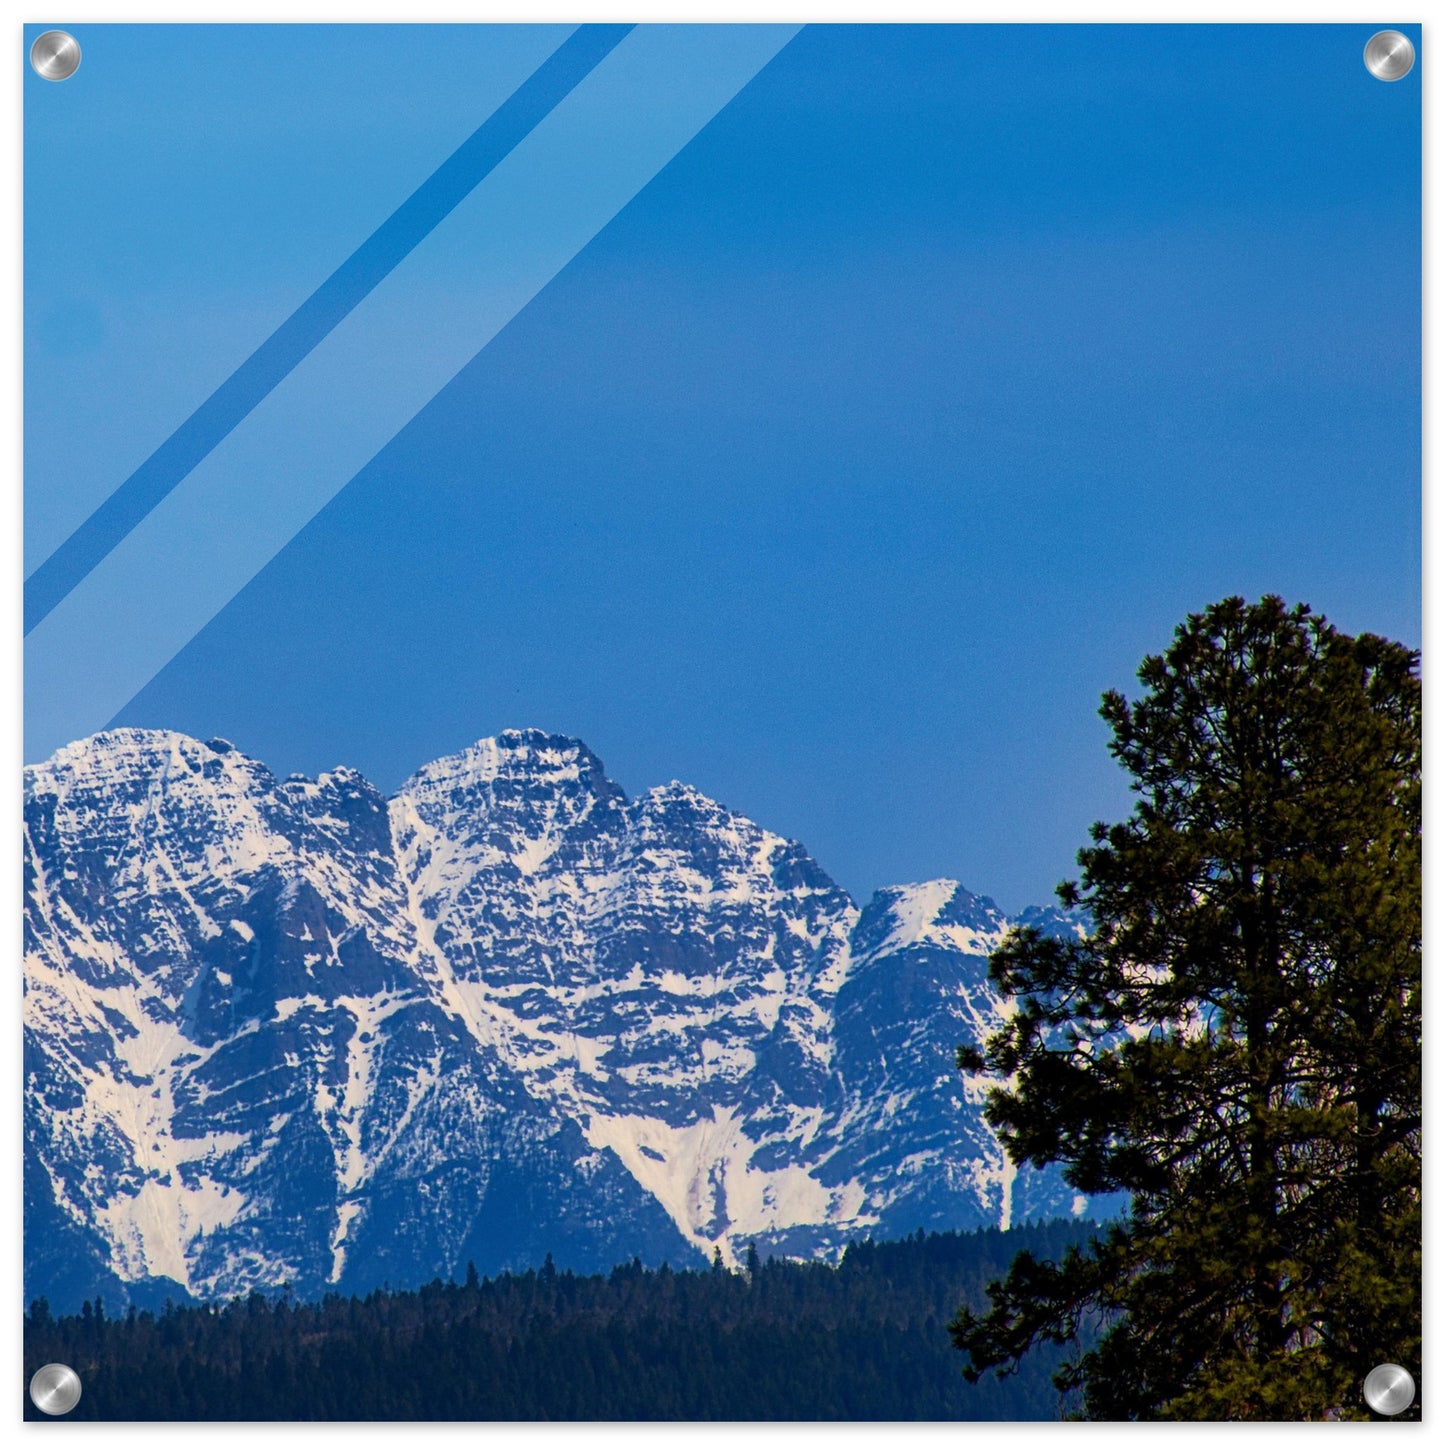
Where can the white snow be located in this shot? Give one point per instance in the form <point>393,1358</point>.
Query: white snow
<point>702,1177</point>
<point>537,963</point>
<point>151,1231</point>
<point>346,1212</point>
<point>286,1007</point>
<point>1007,1173</point>
<point>915,908</point>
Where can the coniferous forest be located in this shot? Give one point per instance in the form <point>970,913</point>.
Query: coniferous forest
<point>866,1339</point>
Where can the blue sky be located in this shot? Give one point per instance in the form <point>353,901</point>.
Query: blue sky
<point>895,419</point>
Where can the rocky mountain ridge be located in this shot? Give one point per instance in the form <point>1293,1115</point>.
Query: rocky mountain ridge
<point>290,1032</point>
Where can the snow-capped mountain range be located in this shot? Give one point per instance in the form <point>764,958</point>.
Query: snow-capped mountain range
<point>293,1032</point>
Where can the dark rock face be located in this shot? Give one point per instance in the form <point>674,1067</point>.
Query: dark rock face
<point>296,1033</point>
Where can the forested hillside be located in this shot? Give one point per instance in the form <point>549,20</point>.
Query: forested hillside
<point>864,1340</point>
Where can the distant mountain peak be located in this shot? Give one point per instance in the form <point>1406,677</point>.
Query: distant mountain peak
<point>516,757</point>
<point>292,1031</point>
<point>940,913</point>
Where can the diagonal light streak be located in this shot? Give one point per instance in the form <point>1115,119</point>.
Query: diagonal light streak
<point>381,364</point>
<point>316,318</point>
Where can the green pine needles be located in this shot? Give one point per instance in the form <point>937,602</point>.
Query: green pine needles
<point>1237,1044</point>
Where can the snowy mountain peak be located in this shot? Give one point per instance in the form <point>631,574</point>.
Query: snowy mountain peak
<point>292,1031</point>
<point>516,757</point>
<point>122,755</point>
<point>941,913</point>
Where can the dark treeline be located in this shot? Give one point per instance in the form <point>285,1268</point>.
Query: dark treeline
<point>864,1340</point>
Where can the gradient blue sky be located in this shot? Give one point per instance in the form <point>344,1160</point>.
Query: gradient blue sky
<point>896,419</point>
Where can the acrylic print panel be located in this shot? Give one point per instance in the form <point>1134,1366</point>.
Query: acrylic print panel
<point>570,572</point>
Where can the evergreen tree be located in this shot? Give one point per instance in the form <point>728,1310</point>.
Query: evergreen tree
<point>865,1339</point>
<point>1237,1043</point>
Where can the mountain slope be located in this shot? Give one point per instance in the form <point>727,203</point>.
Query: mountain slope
<point>292,1032</point>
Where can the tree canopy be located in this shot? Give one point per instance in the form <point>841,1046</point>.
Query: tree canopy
<point>1236,1044</point>
<point>866,1339</point>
